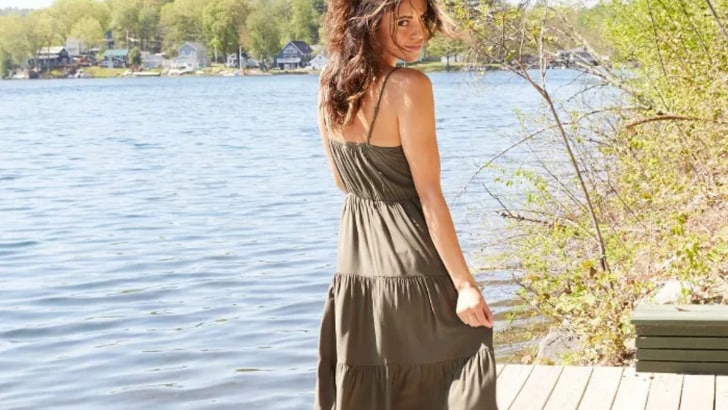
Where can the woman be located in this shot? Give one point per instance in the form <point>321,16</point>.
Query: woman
<point>405,325</point>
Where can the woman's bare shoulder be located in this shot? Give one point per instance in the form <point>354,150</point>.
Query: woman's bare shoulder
<point>411,83</point>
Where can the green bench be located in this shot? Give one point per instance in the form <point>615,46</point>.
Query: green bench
<point>690,339</point>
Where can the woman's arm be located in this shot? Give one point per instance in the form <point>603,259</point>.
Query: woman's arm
<point>416,114</point>
<point>327,148</point>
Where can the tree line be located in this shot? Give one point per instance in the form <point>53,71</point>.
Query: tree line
<point>258,27</point>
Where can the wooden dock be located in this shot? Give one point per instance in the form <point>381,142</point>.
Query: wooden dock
<point>522,387</point>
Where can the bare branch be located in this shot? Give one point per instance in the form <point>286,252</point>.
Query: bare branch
<point>717,18</point>
<point>671,117</point>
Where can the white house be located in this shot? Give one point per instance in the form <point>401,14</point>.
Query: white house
<point>74,46</point>
<point>154,60</point>
<point>317,63</point>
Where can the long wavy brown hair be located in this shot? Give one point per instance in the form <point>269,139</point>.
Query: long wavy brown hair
<point>350,31</point>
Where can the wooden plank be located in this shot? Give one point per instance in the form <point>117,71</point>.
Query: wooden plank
<point>510,383</point>
<point>680,313</point>
<point>698,392</point>
<point>671,342</point>
<point>537,388</point>
<point>721,392</point>
<point>682,367</point>
<point>569,388</point>
<point>665,391</point>
<point>667,329</point>
<point>633,390</point>
<point>601,389</point>
<point>680,355</point>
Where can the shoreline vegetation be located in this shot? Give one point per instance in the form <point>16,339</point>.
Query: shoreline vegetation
<point>623,200</point>
<point>219,70</point>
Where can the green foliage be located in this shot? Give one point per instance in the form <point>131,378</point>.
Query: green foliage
<point>448,47</point>
<point>650,176</point>
<point>182,20</point>
<point>135,57</point>
<point>66,14</point>
<point>263,39</point>
<point>89,31</point>
<point>304,21</point>
<point>222,21</point>
<point>5,63</point>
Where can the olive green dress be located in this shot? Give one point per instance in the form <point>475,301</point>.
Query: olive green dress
<point>390,338</point>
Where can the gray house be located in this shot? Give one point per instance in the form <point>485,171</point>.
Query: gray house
<point>192,55</point>
<point>573,57</point>
<point>296,54</point>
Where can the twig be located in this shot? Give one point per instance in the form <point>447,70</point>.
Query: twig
<point>671,117</point>
<point>521,218</point>
<point>717,19</point>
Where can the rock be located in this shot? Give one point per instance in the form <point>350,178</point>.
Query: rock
<point>556,344</point>
<point>671,292</point>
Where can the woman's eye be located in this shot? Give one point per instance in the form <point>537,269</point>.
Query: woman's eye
<point>403,23</point>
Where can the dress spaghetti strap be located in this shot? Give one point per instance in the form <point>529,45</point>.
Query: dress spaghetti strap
<point>379,100</point>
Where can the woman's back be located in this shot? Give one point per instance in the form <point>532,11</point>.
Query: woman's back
<point>377,117</point>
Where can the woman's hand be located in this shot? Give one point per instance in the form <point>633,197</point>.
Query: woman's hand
<point>471,307</point>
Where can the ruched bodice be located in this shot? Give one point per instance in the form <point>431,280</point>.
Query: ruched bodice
<point>374,172</point>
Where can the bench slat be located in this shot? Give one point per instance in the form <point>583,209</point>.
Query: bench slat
<point>700,313</point>
<point>680,355</point>
<point>681,367</point>
<point>678,329</point>
<point>673,342</point>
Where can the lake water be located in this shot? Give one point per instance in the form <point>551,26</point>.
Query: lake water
<point>168,242</point>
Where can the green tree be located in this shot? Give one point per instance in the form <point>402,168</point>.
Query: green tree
<point>88,30</point>
<point>125,22</point>
<point>137,22</point>
<point>442,46</point>
<point>12,38</point>
<point>6,63</point>
<point>148,18</point>
<point>41,31</point>
<point>67,13</point>
<point>263,33</point>
<point>135,57</point>
<point>222,22</point>
<point>182,20</point>
<point>303,23</point>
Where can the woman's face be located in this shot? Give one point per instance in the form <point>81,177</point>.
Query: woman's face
<point>403,33</point>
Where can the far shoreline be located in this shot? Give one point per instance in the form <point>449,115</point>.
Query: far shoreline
<point>96,72</point>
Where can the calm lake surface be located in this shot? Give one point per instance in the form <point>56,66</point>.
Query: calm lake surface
<point>168,242</point>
